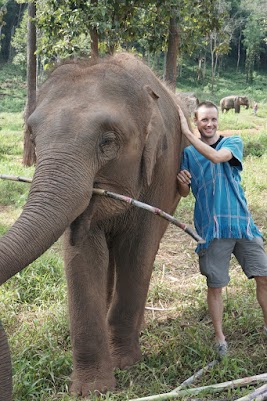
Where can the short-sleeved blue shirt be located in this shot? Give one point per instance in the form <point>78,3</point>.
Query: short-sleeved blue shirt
<point>221,209</point>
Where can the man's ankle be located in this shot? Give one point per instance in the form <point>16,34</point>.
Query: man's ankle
<point>220,339</point>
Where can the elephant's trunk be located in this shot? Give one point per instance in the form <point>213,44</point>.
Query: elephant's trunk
<point>58,195</point>
<point>5,368</point>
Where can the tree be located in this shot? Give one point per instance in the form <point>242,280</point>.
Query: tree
<point>3,11</point>
<point>10,17</point>
<point>255,34</point>
<point>172,51</point>
<point>29,157</point>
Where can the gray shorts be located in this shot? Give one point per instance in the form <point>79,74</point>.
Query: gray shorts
<point>215,260</point>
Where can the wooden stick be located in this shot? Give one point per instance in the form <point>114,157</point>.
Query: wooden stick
<point>213,388</point>
<point>257,394</point>
<point>191,379</point>
<point>134,202</point>
<point>15,178</point>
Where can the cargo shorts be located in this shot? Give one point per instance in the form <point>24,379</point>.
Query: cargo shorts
<point>214,261</point>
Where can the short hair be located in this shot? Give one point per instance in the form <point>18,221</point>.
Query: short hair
<point>207,104</point>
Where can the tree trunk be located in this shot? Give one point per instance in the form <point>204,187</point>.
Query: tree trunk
<point>172,52</point>
<point>29,157</point>
<point>94,37</point>
<point>238,51</point>
<point>94,43</point>
<point>212,47</point>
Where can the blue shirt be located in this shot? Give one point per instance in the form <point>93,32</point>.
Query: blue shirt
<point>221,209</point>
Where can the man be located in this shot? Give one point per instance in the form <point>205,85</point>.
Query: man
<point>211,167</point>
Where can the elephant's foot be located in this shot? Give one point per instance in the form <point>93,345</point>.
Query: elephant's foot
<point>84,388</point>
<point>125,357</point>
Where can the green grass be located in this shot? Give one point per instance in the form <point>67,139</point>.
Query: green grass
<point>176,343</point>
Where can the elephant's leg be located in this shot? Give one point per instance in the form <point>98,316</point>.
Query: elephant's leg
<point>134,254</point>
<point>5,368</point>
<point>86,266</point>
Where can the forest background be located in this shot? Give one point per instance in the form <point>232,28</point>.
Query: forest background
<point>211,48</point>
<point>171,35</point>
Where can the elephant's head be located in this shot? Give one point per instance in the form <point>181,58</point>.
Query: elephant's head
<point>94,125</point>
<point>243,101</point>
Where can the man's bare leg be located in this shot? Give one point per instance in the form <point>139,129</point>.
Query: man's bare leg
<point>215,306</point>
<point>261,292</point>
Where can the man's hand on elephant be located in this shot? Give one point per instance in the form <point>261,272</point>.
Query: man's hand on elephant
<point>184,124</point>
<point>184,177</point>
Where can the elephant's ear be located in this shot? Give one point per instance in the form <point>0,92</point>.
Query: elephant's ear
<point>155,135</point>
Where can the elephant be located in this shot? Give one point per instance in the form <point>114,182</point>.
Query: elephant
<point>234,102</point>
<point>189,100</point>
<point>108,123</point>
<point>5,368</point>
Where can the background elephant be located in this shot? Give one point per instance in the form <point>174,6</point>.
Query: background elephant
<point>234,102</point>
<point>107,124</point>
<point>5,368</point>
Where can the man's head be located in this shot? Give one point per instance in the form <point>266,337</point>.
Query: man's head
<point>206,120</point>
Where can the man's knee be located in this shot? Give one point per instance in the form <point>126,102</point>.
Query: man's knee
<point>216,291</point>
<point>261,281</point>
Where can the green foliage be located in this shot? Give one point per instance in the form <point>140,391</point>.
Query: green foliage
<point>19,42</point>
<point>255,35</point>
<point>140,24</point>
<point>3,11</point>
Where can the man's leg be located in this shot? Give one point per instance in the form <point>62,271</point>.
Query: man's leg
<point>261,292</point>
<point>215,306</point>
<point>252,257</point>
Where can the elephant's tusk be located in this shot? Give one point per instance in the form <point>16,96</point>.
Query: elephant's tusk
<point>134,202</point>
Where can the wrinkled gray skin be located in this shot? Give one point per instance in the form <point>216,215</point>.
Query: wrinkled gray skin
<point>111,125</point>
<point>234,102</point>
<point>189,100</point>
<point>5,368</point>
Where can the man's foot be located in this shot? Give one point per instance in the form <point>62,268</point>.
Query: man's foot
<point>221,349</point>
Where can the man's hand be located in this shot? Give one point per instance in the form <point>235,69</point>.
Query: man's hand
<point>184,177</point>
<point>184,124</point>
<point>184,180</point>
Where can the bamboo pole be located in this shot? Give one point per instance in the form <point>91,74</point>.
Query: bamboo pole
<point>259,394</point>
<point>195,376</point>
<point>127,199</point>
<point>15,178</point>
<point>213,388</point>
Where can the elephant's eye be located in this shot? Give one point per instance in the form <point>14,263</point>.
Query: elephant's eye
<point>109,145</point>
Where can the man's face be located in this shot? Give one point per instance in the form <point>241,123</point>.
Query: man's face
<point>207,122</point>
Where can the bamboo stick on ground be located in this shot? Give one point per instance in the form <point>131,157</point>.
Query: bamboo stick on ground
<point>213,388</point>
<point>134,202</point>
<point>257,394</point>
<point>195,376</point>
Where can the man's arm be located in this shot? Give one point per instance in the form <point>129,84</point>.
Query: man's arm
<point>215,156</point>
